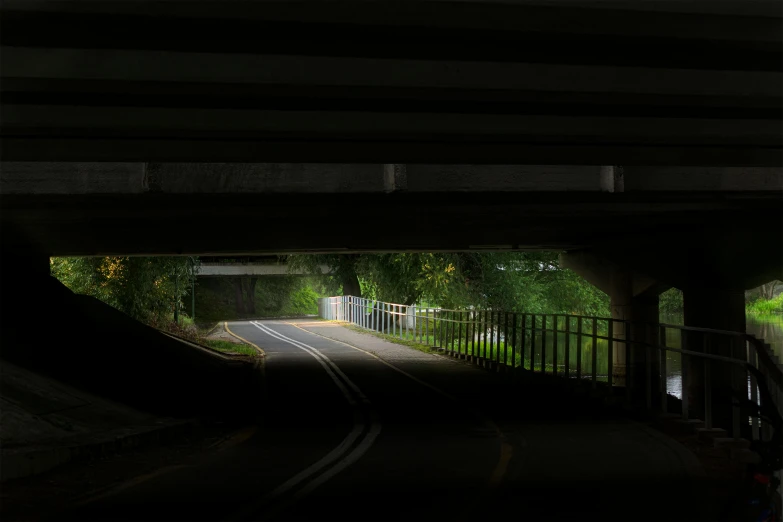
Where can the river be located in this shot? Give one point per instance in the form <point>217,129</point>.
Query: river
<point>767,327</point>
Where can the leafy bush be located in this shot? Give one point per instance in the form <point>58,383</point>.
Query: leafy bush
<point>145,288</point>
<point>766,306</point>
<point>670,302</point>
<point>303,301</point>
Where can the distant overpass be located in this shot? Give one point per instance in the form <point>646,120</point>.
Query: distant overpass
<point>249,269</point>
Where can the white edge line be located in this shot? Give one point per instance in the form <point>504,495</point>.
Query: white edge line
<point>347,460</point>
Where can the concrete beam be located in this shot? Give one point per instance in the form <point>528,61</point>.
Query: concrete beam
<point>72,178</point>
<point>470,178</point>
<point>213,123</point>
<point>205,178</point>
<point>541,15</point>
<point>599,272</point>
<point>702,178</point>
<point>18,178</point>
<point>169,66</point>
<point>228,270</point>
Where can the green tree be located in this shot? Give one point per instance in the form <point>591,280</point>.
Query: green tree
<point>523,281</point>
<point>340,272</point>
<point>146,288</point>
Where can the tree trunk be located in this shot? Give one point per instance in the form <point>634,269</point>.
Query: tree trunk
<point>250,298</point>
<point>240,302</point>
<point>351,285</point>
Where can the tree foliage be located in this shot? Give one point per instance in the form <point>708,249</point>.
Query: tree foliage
<point>525,281</point>
<point>146,288</point>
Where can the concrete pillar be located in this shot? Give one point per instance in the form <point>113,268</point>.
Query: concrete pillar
<point>645,311</point>
<point>621,304</point>
<point>633,297</point>
<point>719,309</point>
<point>611,178</point>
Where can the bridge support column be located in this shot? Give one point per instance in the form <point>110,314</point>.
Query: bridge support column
<point>632,297</point>
<point>718,309</point>
<point>621,305</point>
<point>24,290</point>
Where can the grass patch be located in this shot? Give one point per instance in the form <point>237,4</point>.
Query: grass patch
<point>229,347</point>
<point>495,352</point>
<point>405,342</point>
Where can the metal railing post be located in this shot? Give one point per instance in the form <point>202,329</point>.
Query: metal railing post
<point>579,347</point>
<point>476,335</point>
<point>543,344</point>
<point>736,411</point>
<point>647,367</point>
<point>492,340</point>
<point>427,324</point>
<point>453,328</point>
<point>467,332</point>
<point>610,352</point>
<point>707,393</point>
<point>523,335</point>
<point>435,328</point>
<point>664,382</point>
<point>401,320</point>
<point>567,354</point>
<point>684,373</point>
<point>594,355</point>
<point>629,366</point>
<point>497,341</point>
<point>554,344</point>
<point>459,334</point>
<point>514,341</point>
<point>505,340</point>
<point>533,343</point>
<point>484,332</point>
<point>752,360</point>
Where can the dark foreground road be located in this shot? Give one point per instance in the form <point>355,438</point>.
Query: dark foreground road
<point>369,430</point>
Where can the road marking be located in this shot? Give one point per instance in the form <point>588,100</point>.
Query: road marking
<point>234,439</point>
<point>327,365</point>
<point>129,484</point>
<point>506,449</point>
<point>363,431</point>
<point>260,350</point>
<point>314,352</point>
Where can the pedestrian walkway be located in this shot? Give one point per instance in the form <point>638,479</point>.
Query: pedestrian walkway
<point>563,449</point>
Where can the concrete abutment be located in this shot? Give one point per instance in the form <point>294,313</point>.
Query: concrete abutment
<point>634,297</point>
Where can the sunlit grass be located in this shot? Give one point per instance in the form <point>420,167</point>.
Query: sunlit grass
<point>229,347</point>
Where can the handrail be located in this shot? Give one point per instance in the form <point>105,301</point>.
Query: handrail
<point>558,344</point>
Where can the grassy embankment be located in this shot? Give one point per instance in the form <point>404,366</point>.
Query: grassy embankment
<point>499,351</point>
<point>187,329</point>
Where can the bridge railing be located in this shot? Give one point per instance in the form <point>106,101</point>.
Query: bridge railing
<point>650,360</point>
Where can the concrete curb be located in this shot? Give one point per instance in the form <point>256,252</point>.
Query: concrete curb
<point>32,460</point>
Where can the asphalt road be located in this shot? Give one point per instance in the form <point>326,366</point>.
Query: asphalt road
<point>361,429</point>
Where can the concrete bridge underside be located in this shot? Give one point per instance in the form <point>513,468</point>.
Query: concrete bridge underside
<point>425,126</point>
<point>522,81</point>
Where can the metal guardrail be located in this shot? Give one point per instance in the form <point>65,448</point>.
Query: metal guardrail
<point>587,347</point>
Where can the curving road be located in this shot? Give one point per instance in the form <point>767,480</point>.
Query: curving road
<point>357,428</point>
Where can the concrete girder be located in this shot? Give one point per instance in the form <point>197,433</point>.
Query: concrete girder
<point>229,270</point>
<point>227,178</point>
<point>275,83</point>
